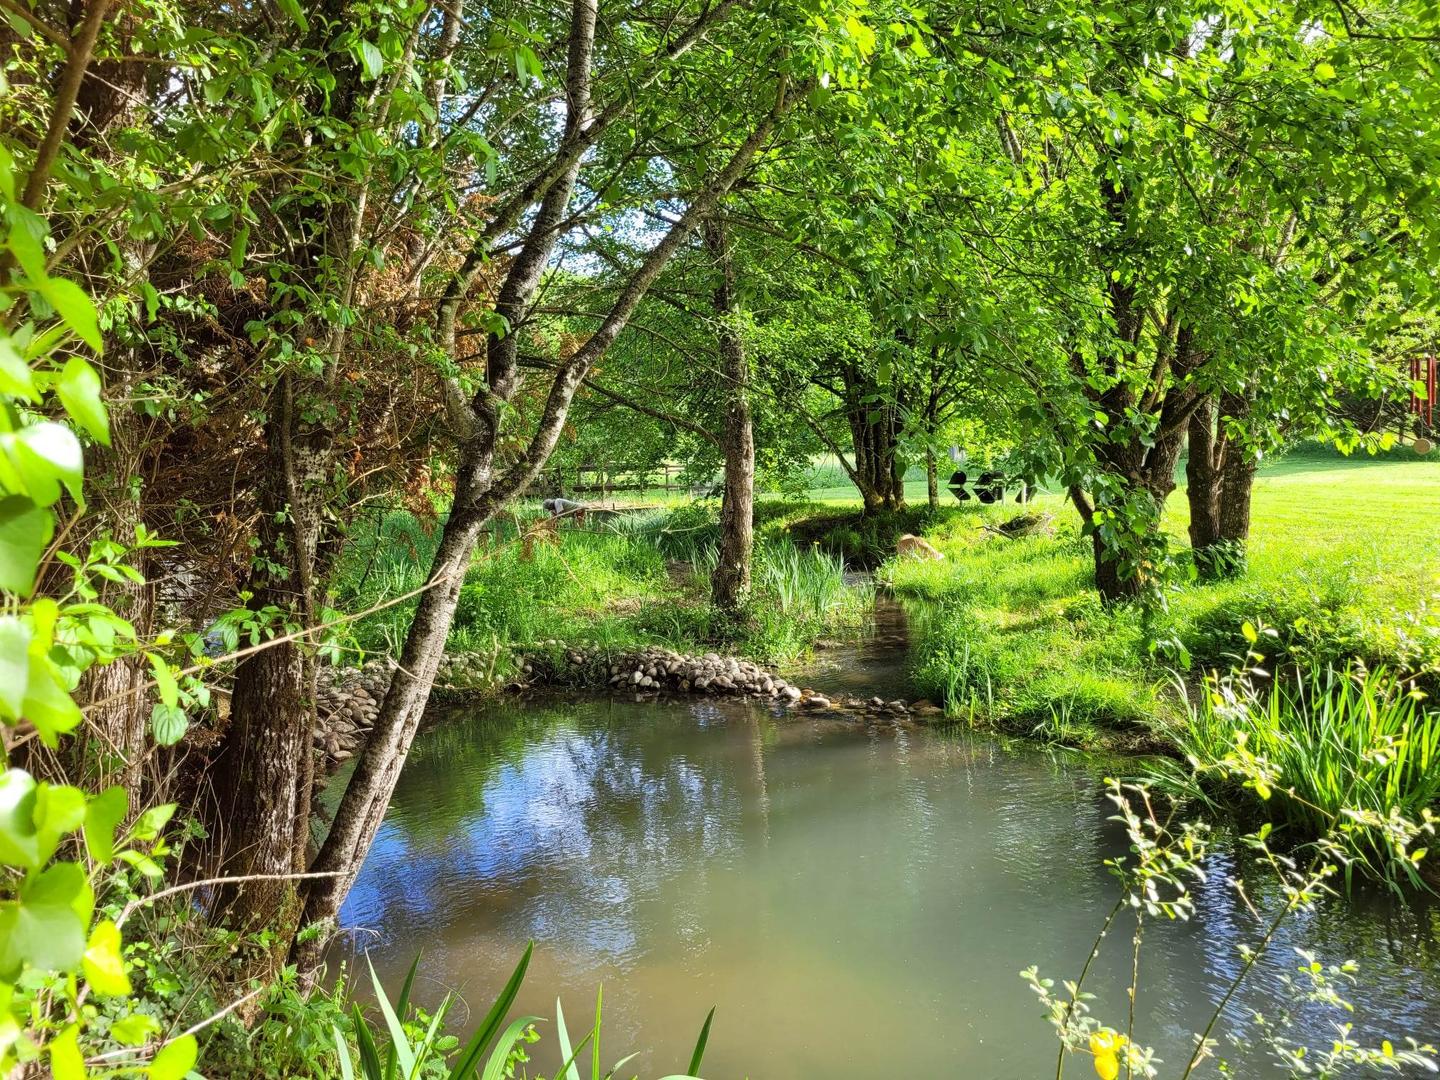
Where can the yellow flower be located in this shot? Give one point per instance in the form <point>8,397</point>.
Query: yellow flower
<point>1107,1045</point>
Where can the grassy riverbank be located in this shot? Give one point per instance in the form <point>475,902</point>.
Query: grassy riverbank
<point>1344,564</point>
<point>633,580</point>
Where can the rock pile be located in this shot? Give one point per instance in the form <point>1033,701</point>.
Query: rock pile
<point>347,701</point>
<point>658,668</point>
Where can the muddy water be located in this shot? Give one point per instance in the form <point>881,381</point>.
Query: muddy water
<point>857,902</point>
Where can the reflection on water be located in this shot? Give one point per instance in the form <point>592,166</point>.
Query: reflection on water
<point>857,904</point>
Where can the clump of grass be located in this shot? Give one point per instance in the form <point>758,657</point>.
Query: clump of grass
<point>1359,746</point>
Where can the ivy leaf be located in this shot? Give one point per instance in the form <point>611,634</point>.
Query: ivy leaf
<point>175,1060</point>
<point>102,818</point>
<point>25,529</point>
<point>14,665</point>
<point>103,962</point>
<point>79,390</point>
<point>45,926</point>
<point>168,723</point>
<point>19,845</point>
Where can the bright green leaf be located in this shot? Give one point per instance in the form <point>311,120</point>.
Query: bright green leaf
<point>79,390</point>
<point>14,665</point>
<point>102,818</point>
<point>104,963</point>
<point>175,1060</point>
<point>25,530</point>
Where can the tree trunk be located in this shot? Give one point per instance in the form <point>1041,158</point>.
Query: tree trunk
<point>932,479</point>
<point>875,429</point>
<point>367,795</point>
<point>730,583</point>
<point>1202,478</point>
<point>1219,476</point>
<point>265,767</point>
<point>1113,581</point>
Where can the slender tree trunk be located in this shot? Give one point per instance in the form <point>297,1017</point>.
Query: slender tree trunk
<point>932,479</point>
<point>480,491</point>
<point>1202,477</point>
<point>367,795</point>
<point>730,584</point>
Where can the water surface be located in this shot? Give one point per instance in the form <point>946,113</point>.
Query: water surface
<point>856,901</point>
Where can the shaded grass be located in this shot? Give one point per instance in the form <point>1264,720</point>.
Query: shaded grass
<point>639,579</point>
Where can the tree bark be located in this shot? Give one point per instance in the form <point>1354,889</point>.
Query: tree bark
<point>932,479</point>
<point>875,432</point>
<point>730,583</point>
<point>1202,477</point>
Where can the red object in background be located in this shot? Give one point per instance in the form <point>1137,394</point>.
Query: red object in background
<point>1423,369</point>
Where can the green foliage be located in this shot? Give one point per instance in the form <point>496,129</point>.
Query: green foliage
<point>640,578</point>
<point>1347,752</point>
<point>56,950</point>
<point>411,1045</point>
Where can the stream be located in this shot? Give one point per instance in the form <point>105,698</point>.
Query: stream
<point>856,900</point>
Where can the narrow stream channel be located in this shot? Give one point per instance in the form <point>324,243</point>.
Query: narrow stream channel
<point>856,901</point>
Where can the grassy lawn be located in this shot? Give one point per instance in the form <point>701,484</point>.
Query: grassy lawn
<point>1345,562</point>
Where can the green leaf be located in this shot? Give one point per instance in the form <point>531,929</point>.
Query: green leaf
<point>699,1053</point>
<point>569,1069</point>
<point>469,1058</point>
<point>16,378</point>
<point>45,927</point>
<point>102,818</point>
<point>25,529</point>
<point>104,963</point>
<point>495,1067</point>
<point>74,308</point>
<point>175,1060</point>
<point>14,665</point>
<point>292,8</point>
<point>1324,72</point>
<point>370,58</point>
<point>134,1029</point>
<point>164,679</point>
<point>342,1053</point>
<point>47,455</point>
<point>80,392</point>
<point>47,704</point>
<point>365,1043</point>
<point>168,724</point>
<point>19,845</point>
<point>66,1061</point>
<point>399,1044</point>
<point>148,825</point>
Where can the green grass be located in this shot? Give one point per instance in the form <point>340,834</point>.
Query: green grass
<point>1344,562</point>
<point>633,580</point>
<point>1325,751</point>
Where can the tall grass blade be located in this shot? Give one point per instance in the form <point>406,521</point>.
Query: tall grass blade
<point>399,1045</point>
<point>495,1067</point>
<point>469,1059</point>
